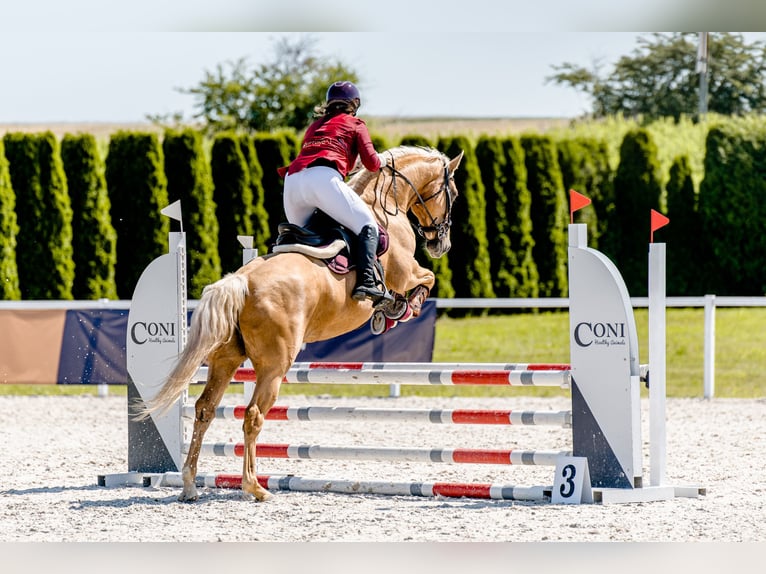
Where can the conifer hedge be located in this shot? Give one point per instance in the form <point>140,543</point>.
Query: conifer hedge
<point>733,210</point>
<point>584,164</point>
<point>518,212</point>
<point>9,230</point>
<point>46,268</point>
<point>509,222</point>
<point>469,256</point>
<point>637,190</point>
<point>260,217</point>
<point>549,211</point>
<point>492,161</point>
<point>135,179</point>
<point>684,258</point>
<point>189,179</point>
<point>94,237</point>
<point>233,196</point>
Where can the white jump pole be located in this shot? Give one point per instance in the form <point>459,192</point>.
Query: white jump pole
<point>657,352</point>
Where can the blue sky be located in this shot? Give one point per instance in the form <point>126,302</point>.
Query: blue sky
<point>86,60</point>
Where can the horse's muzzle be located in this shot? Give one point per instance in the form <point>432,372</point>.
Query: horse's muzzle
<point>438,247</point>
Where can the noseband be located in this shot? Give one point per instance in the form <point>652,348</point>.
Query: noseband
<point>440,229</point>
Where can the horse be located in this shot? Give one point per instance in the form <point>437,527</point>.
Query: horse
<point>269,307</point>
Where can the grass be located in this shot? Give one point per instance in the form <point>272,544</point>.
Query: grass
<point>544,337</point>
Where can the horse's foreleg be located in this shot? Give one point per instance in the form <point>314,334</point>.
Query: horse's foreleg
<point>266,392</point>
<point>422,281</point>
<point>219,377</point>
<point>416,299</point>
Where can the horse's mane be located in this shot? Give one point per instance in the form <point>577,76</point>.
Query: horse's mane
<point>360,177</point>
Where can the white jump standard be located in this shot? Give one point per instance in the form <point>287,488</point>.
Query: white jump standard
<point>604,376</point>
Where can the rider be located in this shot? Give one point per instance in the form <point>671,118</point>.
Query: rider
<point>316,179</point>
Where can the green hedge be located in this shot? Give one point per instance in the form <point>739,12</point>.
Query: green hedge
<point>135,178</point>
<point>733,210</point>
<point>259,215</point>
<point>469,256</point>
<point>684,258</point>
<point>510,220</point>
<point>233,197</point>
<point>637,191</point>
<point>46,269</point>
<point>550,214</point>
<point>95,239</point>
<point>584,164</point>
<point>518,212</point>
<point>189,180</point>
<point>9,230</point>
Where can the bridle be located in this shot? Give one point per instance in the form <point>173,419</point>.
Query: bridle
<point>440,229</point>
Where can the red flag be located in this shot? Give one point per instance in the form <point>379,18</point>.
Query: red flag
<point>576,201</point>
<point>658,220</point>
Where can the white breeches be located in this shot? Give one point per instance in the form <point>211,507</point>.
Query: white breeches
<point>323,188</point>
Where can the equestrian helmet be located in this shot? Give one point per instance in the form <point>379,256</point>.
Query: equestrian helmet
<point>343,91</point>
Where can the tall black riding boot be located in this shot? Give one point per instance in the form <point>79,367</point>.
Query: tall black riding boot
<point>366,287</point>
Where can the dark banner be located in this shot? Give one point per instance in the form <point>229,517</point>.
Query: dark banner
<point>92,349</point>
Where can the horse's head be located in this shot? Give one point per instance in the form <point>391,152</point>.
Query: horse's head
<point>419,180</point>
<point>432,205</point>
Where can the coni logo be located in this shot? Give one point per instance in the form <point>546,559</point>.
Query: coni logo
<point>587,334</point>
<point>142,332</point>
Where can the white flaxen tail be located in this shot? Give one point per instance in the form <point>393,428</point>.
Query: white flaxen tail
<point>213,323</point>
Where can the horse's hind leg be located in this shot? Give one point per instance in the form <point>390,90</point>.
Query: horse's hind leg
<point>220,372</point>
<point>266,393</point>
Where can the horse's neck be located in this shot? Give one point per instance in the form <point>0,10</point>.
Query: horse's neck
<point>392,193</point>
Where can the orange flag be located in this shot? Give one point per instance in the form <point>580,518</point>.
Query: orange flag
<point>576,201</point>
<point>658,220</point>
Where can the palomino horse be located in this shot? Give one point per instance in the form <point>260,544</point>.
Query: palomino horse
<point>268,308</point>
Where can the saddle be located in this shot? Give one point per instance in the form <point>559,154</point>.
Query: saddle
<point>327,240</point>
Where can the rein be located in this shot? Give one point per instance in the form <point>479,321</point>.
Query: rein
<point>441,229</point>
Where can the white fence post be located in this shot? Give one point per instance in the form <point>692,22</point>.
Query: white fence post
<point>709,377</point>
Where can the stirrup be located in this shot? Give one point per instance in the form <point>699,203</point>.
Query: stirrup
<point>377,296</point>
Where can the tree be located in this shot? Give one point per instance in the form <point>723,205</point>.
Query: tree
<point>637,190</point>
<point>549,214</point>
<point>685,258</point>
<point>44,211</point>
<point>660,79</point>
<point>260,216</point>
<point>9,230</point>
<point>95,239</point>
<point>189,179</point>
<point>138,190</point>
<point>518,212</point>
<point>233,197</point>
<point>280,93</point>
<point>732,210</point>
<point>585,168</point>
<point>469,255</point>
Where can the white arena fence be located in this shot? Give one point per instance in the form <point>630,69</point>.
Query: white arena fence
<point>709,302</point>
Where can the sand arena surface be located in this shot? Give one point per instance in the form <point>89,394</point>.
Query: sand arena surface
<point>53,449</point>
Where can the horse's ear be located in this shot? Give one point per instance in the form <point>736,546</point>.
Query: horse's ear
<point>454,163</point>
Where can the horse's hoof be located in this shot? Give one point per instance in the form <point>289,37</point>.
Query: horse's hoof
<point>260,496</point>
<point>266,496</point>
<point>396,309</point>
<point>378,323</point>
<point>188,497</point>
